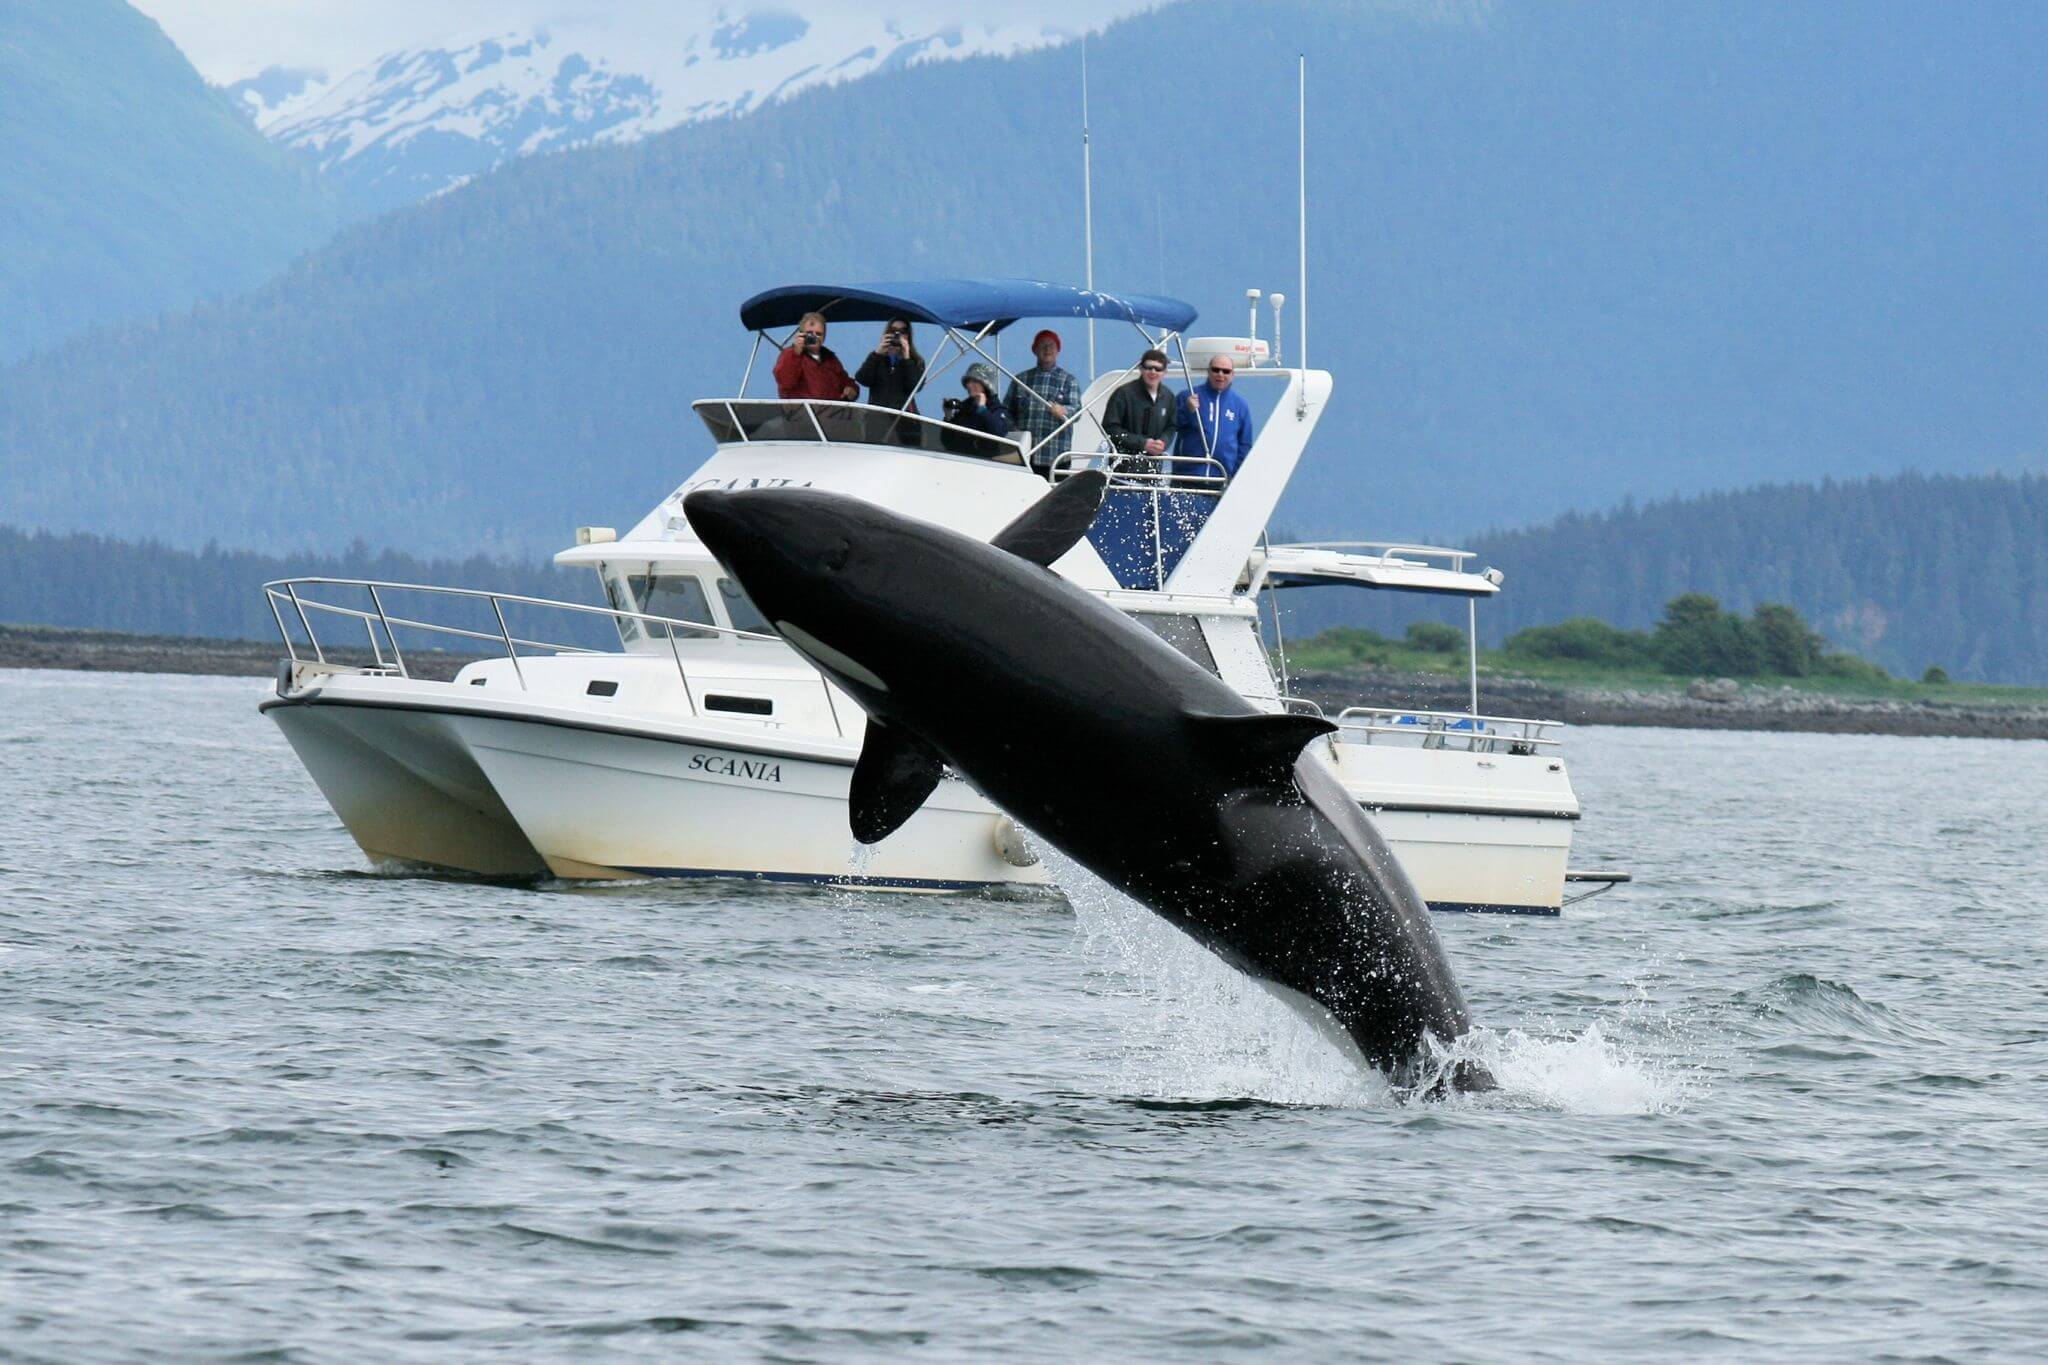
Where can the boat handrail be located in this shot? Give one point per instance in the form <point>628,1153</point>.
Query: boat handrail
<point>1439,729</point>
<point>283,592</point>
<point>815,421</point>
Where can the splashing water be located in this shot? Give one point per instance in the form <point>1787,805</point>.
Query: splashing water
<point>1195,1028</point>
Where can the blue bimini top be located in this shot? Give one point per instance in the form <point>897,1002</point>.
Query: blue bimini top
<point>967,304</point>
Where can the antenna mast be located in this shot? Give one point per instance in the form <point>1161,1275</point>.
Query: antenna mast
<point>1087,201</point>
<point>1301,294</point>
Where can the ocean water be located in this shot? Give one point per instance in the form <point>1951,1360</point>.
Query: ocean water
<point>1785,1095</point>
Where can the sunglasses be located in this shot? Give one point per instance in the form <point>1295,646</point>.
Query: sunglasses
<point>1221,369</point>
<point>1153,369</point>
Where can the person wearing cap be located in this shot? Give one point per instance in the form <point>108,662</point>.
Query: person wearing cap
<point>1215,424</point>
<point>1140,416</point>
<point>1042,398</point>
<point>979,410</point>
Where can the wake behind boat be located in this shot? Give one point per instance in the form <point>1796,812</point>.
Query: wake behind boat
<point>701,744</point>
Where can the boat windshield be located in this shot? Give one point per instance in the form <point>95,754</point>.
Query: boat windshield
<point>742,420</point>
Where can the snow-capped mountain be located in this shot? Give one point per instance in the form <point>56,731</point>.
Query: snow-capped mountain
<point>424,118</point>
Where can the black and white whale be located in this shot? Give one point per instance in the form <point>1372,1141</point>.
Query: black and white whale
<point>1102,738</point>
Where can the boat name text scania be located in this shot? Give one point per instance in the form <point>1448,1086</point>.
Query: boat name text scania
<point>675,521</point>
<point>726,765</point>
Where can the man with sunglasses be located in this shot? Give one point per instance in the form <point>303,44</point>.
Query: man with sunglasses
<point>1215,422</point>
<point>1139,416</point>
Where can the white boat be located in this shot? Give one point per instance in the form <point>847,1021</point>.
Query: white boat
<point>701,745</point>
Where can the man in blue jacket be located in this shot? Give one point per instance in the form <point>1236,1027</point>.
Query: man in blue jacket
<point>1214,422</point>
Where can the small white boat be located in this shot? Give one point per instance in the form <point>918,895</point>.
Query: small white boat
<point>701,745</point>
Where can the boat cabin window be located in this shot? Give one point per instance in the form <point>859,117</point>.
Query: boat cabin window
<point>1184,633</point>
<point>740,609</point>
<point>679,595</point>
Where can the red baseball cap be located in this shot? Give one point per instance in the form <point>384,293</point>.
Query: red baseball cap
<point>1048,332</point>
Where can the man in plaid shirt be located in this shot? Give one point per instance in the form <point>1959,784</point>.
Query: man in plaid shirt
<point>1042,398</point>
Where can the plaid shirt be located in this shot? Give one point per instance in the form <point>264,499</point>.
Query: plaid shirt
<point>1028,399</point>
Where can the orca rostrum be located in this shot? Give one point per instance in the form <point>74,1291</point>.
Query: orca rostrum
<point>1106,741</point>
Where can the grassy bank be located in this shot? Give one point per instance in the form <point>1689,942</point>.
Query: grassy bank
<point>1340,652</point>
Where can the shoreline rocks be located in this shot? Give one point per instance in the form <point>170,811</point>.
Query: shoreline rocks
<point>1707,704</point>
<point>1747,707</point>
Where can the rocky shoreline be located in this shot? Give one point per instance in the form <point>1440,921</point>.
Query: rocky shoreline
<point>100,651</point>
<point>1716,705</point>
<point>1713,706</point>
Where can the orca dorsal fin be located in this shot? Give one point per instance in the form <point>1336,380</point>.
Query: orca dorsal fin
<point>1053,525</point>
<point>894,775</point>
<point>1260,747</point>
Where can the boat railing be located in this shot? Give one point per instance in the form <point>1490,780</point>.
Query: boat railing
<point>291,599</point>
<point>742,421</point>
<point>1447,730</point>
<point>1198,474</point>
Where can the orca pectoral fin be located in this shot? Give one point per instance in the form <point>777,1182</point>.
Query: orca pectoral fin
<point>1056,522</point>
<point>894,775</point>
<point>1259,748</point>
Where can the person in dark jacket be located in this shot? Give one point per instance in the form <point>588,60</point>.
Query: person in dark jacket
<point>807,368</point>
<point>979,410</point>
<point>894,369</point>
<point>1140,416</point>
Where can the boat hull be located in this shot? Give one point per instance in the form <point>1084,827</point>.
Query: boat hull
<point>598,804</point>
<point>489,790</point>
<point>407,789</point>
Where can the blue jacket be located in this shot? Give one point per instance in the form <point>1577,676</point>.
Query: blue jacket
<point>1225,420</point>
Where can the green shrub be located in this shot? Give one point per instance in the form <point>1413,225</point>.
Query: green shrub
<point>1851,669</point>
<point>1696,637</point>
<point>1352,644</point>
<point>1791,648</point>
<point>1584,639</point>
<point>1434,637</point>
<point>1935,674</point>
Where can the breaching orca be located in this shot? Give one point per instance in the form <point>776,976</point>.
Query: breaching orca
<point>1098,735</point>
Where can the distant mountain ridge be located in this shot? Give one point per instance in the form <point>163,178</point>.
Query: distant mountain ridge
<point>127,187</point>
<point>420,120</point>
<point>1558,256</point>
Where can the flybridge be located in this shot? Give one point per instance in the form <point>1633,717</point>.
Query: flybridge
<point>1186,526</point>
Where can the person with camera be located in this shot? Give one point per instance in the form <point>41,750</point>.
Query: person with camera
<point>894,369</point>
<point>1042,398</point>
<point>807,368</point>
<point>1140,415</point>
<point>979,410</point>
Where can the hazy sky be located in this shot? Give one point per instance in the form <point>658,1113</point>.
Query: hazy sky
<point>229,39</point>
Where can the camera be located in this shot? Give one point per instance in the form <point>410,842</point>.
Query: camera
<point>953,405</point>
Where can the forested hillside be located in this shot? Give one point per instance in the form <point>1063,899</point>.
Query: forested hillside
<point>1560,254</point>
<point>127,186</point>
<point>1911,572</point>
<point>94,583</point>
